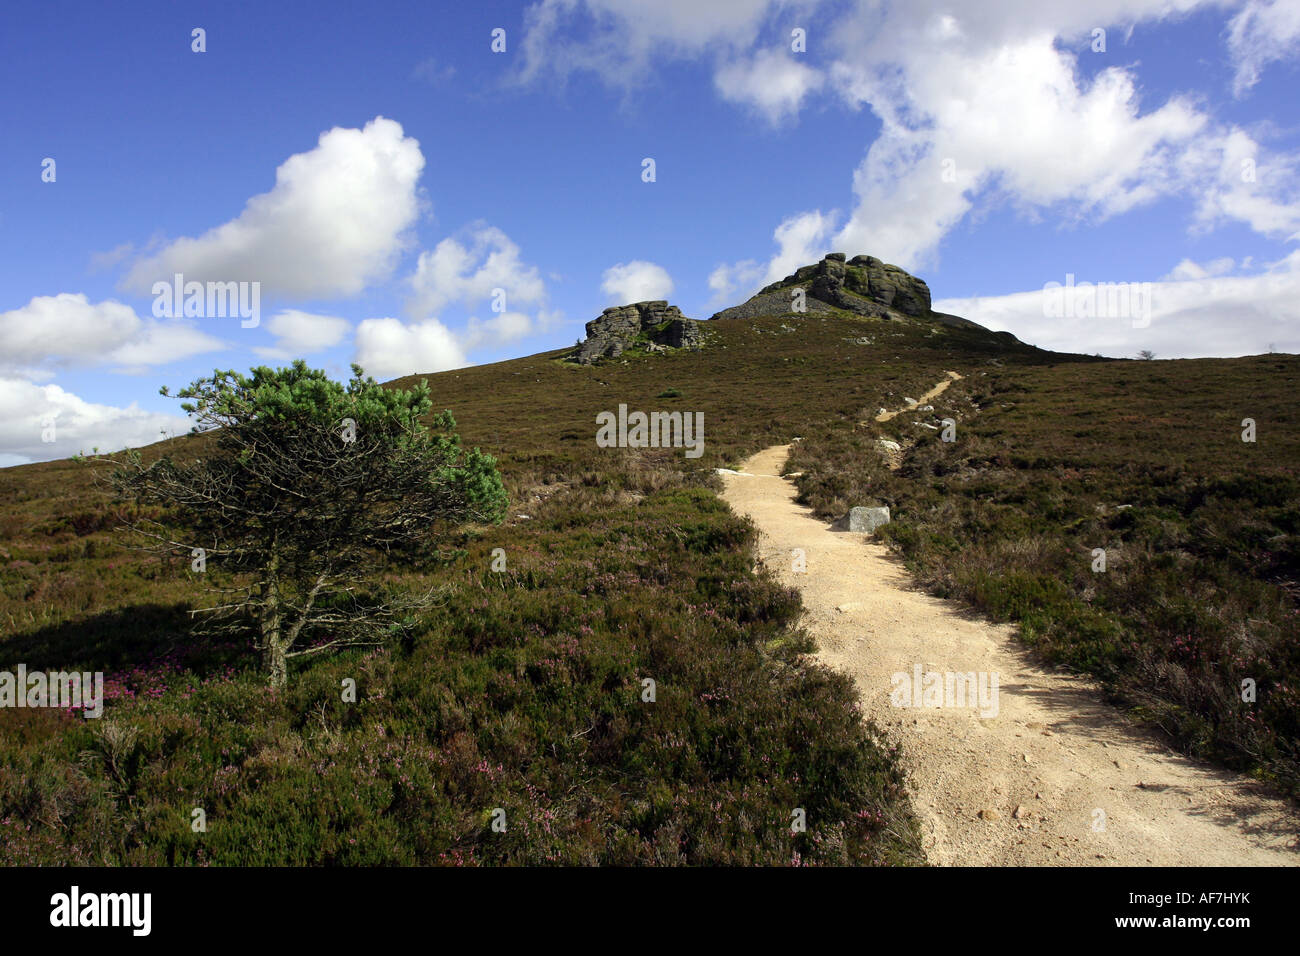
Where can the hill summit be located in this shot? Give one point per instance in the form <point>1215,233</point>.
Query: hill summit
<point>863,284</point>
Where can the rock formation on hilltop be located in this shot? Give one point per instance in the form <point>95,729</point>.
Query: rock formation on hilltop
<point>655,323</point>
<point>863,285</point>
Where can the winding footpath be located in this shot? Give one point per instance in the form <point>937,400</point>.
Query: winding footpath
<point>1056,776</point>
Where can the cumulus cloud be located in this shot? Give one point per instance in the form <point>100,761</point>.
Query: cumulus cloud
<point>1197,311</point>
<point>635,281</point>
<point>1021,128</point>
<point>800,239</point>
<point>468,269</point>
<point>994,109</point>
<point>389,348</point>
<point>736,280</point>
<point>334,222</point>
<point>772,82</point>
<point>499,330</point>
<point>302,333</point>
<point>978,108</point>
<point>31,413</point>
<point>68,330</point>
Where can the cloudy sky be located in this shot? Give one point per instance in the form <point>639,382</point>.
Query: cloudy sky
<point>410,198</point>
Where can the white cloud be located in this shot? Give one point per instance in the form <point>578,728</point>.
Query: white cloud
<point>456,271</point>
<point>1187,269</point>
<point>998,91</point>
<point>69,330</point>
<point>1203,313</point>
<point>735,280</point>
<point>1263,32</point>
<point>1001,94</point>
<point>334,222</point>
<point>498,330</point>
<point>620,39</point>
<point>26,409</point>
<point>388,348</point>
<point>800,240</point>
<point>1021,128</point>
<point>636,281</point>
<point>772,82</point>
<point>1236,181</point>
<point>301,333</point>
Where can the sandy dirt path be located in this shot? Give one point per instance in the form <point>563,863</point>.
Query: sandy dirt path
<point>1057,777</point>
<point>932,393</point>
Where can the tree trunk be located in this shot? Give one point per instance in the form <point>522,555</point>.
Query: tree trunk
<point>274,661</point>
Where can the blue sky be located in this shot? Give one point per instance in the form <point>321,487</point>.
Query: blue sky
<point>380,171</point>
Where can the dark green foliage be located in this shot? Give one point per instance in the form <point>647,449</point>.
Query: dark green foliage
<point>309,486</point>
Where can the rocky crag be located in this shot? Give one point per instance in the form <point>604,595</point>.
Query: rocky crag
<point>654,324</point>
<point>863,285</point>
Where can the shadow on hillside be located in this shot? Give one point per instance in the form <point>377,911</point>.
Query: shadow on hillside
<point>144,636</point>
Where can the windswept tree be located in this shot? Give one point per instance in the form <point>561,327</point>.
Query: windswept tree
<point>313,489</point>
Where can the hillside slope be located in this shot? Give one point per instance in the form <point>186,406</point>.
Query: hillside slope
<point>523,692</point>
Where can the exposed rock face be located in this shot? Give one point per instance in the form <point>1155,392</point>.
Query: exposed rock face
<point>618,328</point>
<point>863,284</point>
<point>771,303</point>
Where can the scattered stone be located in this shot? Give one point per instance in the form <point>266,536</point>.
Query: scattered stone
<point>867,519</point>
<point>1020,812</point>
<point>990,815</point>
<point>909,401</point>
<point>888,445</point>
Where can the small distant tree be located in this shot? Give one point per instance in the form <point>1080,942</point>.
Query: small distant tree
<point>312,486</point>
<point>1146,355</point>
